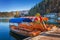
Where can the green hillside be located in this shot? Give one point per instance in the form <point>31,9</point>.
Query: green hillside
<point>46,6</point>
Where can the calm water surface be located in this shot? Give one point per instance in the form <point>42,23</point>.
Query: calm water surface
<point>5,33</point>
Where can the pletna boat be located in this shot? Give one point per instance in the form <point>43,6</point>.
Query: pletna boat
<point>25,26</point>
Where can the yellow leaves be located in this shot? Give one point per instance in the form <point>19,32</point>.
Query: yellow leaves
<point>38,14</point>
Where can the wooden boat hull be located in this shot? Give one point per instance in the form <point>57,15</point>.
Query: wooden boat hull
<point>27,30</point>
<point>24,32</point>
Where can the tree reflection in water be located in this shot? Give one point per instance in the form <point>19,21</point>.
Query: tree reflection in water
<point>17,37</point>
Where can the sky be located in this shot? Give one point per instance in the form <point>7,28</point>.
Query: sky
<point>17,5</point>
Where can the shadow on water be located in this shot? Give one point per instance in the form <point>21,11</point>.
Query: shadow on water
<point>16,36</point>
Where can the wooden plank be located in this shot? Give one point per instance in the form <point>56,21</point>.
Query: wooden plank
<point>46,36</point>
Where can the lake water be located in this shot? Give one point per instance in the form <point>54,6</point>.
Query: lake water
<point>5,33</point>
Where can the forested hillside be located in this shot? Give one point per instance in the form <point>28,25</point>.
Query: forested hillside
<point>46,6</point>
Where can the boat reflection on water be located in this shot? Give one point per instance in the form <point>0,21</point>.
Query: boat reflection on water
<point>16,36</point>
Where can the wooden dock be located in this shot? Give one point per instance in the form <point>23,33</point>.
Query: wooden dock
<point>50,35</point>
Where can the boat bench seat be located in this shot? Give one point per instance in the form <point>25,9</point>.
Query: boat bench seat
<point>24,29</point>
